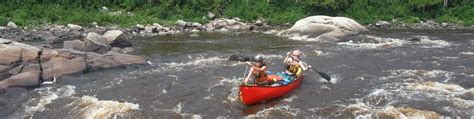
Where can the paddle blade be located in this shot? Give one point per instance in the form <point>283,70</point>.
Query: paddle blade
<point>322,74</point>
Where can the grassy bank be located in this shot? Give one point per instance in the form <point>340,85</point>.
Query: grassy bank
<point>84,12</point>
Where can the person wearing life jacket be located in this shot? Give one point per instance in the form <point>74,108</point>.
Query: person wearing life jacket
<point>258,71</point>
<point>293,67</point>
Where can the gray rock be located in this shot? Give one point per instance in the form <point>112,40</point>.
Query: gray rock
<point>383,24</point>
<point>11,52</point>
<point>75,44</point>
<point>258,23</point>
<point>25,79</point>
<point>139,27</point>
<point>157,26</point>
<point>181,23</point>
<point>189,24</point>
<point>96,43</point>
<point>113,35</point>
<point>74,27</point>
<point>197,25</point>
<point>66,63</point>
<point>11,25</point>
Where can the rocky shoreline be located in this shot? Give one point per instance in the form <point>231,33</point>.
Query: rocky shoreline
<point>429,24</point>
<point>31,56</point>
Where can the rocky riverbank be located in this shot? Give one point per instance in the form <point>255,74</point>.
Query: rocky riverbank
<point>32,56</point>
<point>428,24</point>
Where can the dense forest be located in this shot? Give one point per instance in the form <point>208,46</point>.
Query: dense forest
<point>275,12</point>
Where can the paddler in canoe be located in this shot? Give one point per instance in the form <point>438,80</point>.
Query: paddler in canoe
<point>259,73</point>
<point>293,67</point>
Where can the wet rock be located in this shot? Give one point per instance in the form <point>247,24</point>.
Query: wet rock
<point>74,27</point>
<point>66,63</point>
<point>4,68</point>
<point>96,43</point>
<point>25,79</point>
<point>122,50</point>
<point>111,59</point>
<point>181,23</point>
<point>75,44</point>
<point>383,24</point>
<point>11,25</point>
<point>469,94</point>
<point>122,43</point>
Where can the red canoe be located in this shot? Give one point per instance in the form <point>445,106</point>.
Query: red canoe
<point>254,94</point>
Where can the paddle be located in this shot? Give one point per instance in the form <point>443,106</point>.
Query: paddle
<point>322,74</point>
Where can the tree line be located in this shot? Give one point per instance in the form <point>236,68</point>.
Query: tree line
<point>275,11</point>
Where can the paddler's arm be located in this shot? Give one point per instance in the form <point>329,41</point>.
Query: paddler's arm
<point>304,66</point>
<point>256,68</point>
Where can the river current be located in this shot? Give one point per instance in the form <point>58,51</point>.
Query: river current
<point>379,74</point>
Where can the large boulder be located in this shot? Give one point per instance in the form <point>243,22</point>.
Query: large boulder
<point>25,79</point>
<point>11,52</point>
<point>324,27</point>
<point>67,62</point>
<point>96,43</point>
<point>117,38</point>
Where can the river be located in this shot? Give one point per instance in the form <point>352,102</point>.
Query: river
<point>379,74</point>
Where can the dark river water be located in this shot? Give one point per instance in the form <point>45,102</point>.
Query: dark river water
<point>380,74</point>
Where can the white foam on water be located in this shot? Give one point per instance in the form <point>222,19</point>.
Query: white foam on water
<point>319,53</point>
<point>46,96</point>
<point>436,87</point>
<point>363,111</point>
<point>114,81</point>
<point>467,53</point>
<point>286,109</point>
<point>177,110</point>
<point>92,108</point>
<point>418,74</point>
<point>291,98</point>
<point>382,43</point>
<point>429,43</point>
<point>198,62</point>
<point>303,38</point>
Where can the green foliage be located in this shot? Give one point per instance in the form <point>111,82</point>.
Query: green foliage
<point>423,3</point>
<point>276,12</point>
